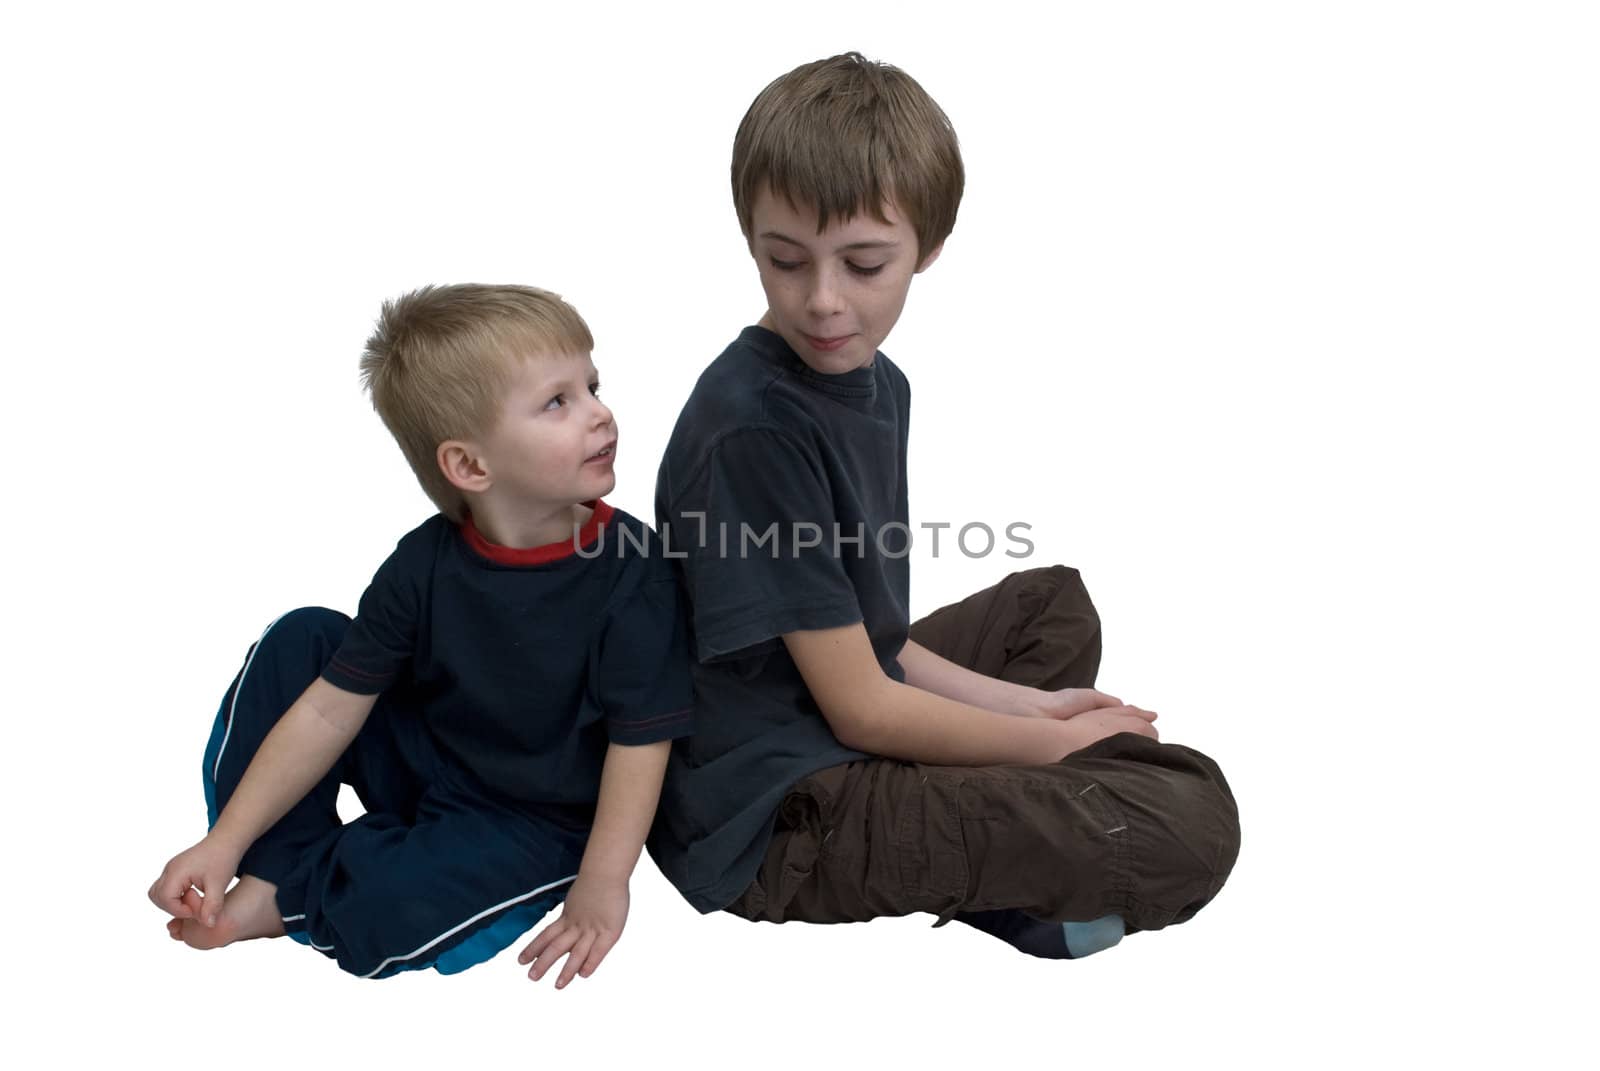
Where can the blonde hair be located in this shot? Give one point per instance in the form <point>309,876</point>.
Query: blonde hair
<point>440,360</point>
<point>846,135</point>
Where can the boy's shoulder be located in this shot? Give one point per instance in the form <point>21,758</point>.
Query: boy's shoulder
<point>733,389</point>
<point>633,542</point>
<point>420,546</point>
<point>627,557</point>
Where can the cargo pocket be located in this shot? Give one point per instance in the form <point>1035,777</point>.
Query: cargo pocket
<point>930,841</point>
<point>1044,841</point>
<point>791,858</point>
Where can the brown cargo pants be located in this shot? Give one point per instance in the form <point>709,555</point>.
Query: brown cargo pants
<point>1127,826</point>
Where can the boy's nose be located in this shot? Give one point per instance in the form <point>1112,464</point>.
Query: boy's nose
<point>823,297</point>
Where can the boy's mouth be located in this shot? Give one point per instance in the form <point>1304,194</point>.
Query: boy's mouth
<point>827,344</point>
<point>605,453</point>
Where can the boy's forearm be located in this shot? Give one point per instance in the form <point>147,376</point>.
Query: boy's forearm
<point>933,673</point>
<point>630,789</point>
<point>905,722</point>
<point>295,755</point>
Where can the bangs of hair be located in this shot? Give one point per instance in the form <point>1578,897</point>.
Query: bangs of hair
<point>847,135</point>
<point>440,361</point>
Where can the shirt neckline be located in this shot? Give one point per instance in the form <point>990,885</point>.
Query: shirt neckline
<point>547,553</point>
<point>856,383</point>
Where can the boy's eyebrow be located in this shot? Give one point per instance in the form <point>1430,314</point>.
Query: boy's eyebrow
<point>567,377</point>
<point>879,243</point>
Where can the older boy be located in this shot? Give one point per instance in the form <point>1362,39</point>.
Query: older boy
<point>846,763</point>
<point>504,687</point>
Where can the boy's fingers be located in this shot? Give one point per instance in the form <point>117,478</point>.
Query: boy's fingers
<point>547,958</point>
<point>596,954</point>
<point>214,891</point>
<point>164,892</point>
<point>172,897</point>
<point>540,940</point>
<point>1134,713</point>
<point>190,903</point>
<point>1125,720</point>
<point>579,956</point>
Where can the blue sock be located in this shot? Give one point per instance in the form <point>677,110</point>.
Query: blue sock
<point>1047,940</point>
<point>1087,938</point>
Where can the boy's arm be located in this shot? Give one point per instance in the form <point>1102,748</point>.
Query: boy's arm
<point>596,908</point>
<point>934,673</point>
<point>630,788</point>
<point>871,712</point>
<point>295,755</point>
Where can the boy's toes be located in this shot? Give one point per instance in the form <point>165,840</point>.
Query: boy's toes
<point>197,934</point>
<point>193,901</point>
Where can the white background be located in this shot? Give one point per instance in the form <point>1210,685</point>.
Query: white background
<point>1277,320</point>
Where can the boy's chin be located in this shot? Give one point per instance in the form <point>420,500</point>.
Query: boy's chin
<point>855,353</point>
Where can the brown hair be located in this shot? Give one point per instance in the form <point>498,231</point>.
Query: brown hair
<point>439,362</point>
<point>847,135</point>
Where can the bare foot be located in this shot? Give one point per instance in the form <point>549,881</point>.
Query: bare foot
<point>250,910</point>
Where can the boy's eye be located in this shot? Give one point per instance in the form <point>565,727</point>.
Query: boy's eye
<point>594,389</point>
<point>862,269</point>
<point>784,265</point>
<point>555,403</point>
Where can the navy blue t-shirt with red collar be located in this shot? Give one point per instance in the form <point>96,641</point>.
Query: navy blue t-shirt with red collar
<point>527,663</point>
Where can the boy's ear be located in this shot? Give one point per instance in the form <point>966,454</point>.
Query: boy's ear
<point>933,255</point>
<point>463,466</point>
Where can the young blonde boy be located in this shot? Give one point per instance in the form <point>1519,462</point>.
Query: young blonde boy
<point>849,764</point>
<point>502,702</point>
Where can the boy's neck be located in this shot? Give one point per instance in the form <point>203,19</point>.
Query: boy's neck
<point>520,529</point>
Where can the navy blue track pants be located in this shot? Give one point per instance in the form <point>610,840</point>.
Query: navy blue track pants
<point>437,873</point>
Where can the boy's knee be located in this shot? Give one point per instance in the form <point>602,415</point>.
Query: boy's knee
<point>1218,817</point>
<point>1190,836</point>
<point>1205,828</point>
<point>1058,587</point>
<point>313,630</point>
<point>1069,587</point>
<point>315,619</point>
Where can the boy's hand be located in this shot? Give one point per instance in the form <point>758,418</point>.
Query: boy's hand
<point>1075,702</point>
<point>590,923</point>
<point>1070,702</point>
<point>1090,726</point>
<point>209,867</point>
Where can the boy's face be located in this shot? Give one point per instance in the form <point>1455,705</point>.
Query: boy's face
<point>833,296</point>
<point>555,442</point>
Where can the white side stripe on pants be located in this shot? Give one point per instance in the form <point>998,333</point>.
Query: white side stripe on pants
<point>452,931</point>
<point>228,731</point>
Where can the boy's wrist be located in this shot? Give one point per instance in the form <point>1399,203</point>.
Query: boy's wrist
<point>604,872</point>
<point>609,860</point>
<point>1026,702</point>
<point>221,836</point>
<point>222,840</point>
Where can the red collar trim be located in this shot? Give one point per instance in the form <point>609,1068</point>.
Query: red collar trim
<point>550,552</point>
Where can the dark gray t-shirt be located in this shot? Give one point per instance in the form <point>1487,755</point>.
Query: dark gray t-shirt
<point>786,491</point>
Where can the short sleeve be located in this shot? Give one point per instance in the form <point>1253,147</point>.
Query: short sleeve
<point>380,643</point>
<point>765,560</point>
<point>644,679</point>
